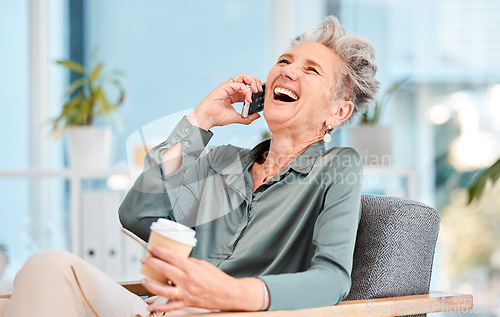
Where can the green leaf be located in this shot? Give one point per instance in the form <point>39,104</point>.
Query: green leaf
<point>476,189</point>
<point>492,173</point>
<point>72,65</point>
<point>74,86</point>
<point>376,113</point>
<point>69,112</point>
<point>96,72</point>
<point>105,106</point>
<point>72,110</point>
<point>83,112</point>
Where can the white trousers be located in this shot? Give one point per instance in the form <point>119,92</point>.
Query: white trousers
<point>45,287</point>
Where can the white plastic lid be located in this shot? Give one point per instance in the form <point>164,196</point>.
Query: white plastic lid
<point>174,231</point>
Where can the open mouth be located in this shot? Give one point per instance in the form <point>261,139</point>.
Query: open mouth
<point>285,95</point>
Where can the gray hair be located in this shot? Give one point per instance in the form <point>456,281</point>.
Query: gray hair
<point>356,73</point>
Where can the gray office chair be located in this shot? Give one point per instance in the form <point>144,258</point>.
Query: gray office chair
<point>394,248</point>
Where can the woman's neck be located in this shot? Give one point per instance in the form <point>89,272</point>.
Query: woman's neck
<point>283,149</point>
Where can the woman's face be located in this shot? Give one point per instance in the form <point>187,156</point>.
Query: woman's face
<point>299,94</point>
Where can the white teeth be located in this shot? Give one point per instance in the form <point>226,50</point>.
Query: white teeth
<point>284,91</point>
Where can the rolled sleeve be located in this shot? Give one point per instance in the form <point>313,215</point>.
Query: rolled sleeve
<point>194,140</point>
<point>152,195</point>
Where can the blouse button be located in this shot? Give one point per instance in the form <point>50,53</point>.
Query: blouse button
<point>186,143</point>
<point>186,130</point>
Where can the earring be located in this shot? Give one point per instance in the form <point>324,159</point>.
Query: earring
<point>327,137</point>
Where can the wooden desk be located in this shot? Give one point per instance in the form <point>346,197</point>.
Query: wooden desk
<point>434,302</point>
<point>381,307</point>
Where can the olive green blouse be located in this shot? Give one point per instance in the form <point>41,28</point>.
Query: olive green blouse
<point>296,231</point>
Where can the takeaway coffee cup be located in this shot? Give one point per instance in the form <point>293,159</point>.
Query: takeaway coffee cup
<point>170,235</point>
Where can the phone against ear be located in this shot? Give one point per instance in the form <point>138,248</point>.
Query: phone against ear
<point>256,105</point>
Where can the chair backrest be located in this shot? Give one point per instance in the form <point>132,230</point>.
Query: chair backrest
<point>394,248</point>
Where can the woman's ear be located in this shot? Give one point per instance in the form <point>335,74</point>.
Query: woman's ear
<point>343,112</point>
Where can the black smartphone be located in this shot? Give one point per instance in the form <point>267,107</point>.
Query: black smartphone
<point>257,104</point>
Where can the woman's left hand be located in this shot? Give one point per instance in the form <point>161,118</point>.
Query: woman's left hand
<point>199,284</point>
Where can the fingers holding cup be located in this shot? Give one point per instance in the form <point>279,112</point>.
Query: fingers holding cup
<point>168,235</point>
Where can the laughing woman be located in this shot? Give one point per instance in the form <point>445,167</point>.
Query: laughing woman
<point>275,224</point>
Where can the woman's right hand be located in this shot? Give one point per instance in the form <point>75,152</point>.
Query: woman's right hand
<point>216,109</point>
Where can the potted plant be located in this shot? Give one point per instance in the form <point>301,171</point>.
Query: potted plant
<point>86,99</point>
<point>372,141</point>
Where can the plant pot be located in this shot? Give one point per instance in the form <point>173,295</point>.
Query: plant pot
<point>88,147</point>
<point>373,143</point>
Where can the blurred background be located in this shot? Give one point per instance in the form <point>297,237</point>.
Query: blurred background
<point>438,121</point>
